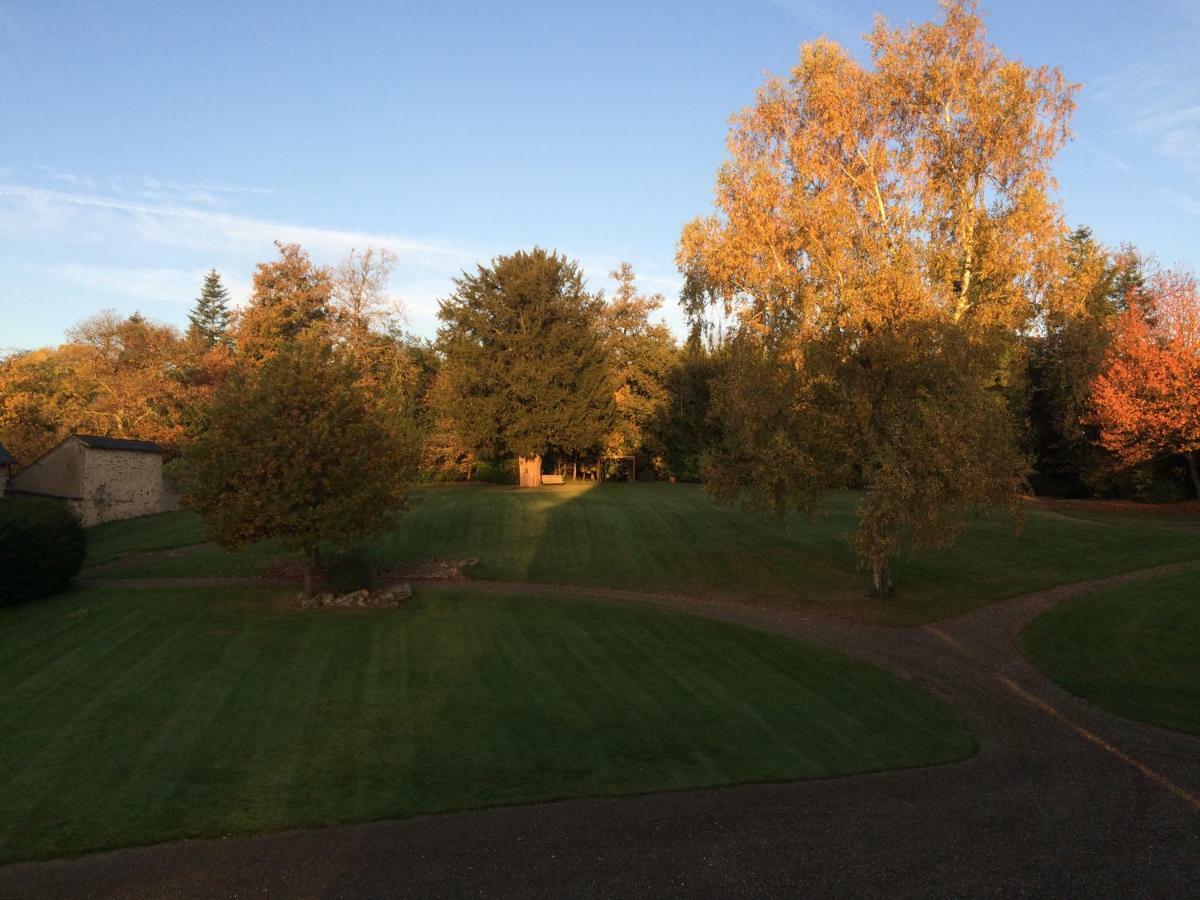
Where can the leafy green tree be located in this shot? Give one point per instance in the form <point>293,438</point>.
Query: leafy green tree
<point>526,371</point>
<point>209,318</point>
<point>294,451</point>
<point>687,431</point>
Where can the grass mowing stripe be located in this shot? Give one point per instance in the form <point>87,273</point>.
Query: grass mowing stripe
<point>1131,649</point>
<point>663,537</point>
<point>229,713</point>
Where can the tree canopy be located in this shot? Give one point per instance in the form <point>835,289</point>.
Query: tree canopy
<point>1147,398</point>
<point>290,296</point>
<point>643,355</point>
<point>294,451</point>
<point>883,235</point>
<point>209,318</point>
<point>525,368</point>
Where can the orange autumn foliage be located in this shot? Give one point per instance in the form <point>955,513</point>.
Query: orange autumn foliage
<point>121,377</point>
<point>884,234</point>
<point>1147,399</point>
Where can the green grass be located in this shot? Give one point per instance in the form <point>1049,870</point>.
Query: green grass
<point>132,717</point>
<point>671,538</point>
<point>1133,650</point>
<point>112,540</point>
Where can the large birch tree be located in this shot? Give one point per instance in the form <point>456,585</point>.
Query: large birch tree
<point>883,234</point>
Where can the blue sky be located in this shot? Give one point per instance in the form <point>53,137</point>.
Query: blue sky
<point>143,142</point>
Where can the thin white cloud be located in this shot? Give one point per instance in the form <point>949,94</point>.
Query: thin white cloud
<point>156,284</point>
<point>1180,201</point>
<point>24,209</point>
<point>816,14</point>
<point>71,178</point>
<point>1111,160</point>
<point>166,190</point>
<point>1158,98</point>
<point>133,252</point>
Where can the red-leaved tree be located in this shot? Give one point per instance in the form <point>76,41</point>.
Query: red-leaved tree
<point>1147,399</point>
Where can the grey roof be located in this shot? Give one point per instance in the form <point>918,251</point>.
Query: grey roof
<point>94,442</point>
<point>6,458</point>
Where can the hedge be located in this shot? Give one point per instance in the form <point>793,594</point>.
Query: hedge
<point>42,547</point>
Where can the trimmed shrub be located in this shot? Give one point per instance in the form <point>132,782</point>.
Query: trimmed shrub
<point>500,471</point>
<point>42,547</point>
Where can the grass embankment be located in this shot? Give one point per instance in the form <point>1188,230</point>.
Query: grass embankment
<point>132,717</point>
<point>673,539</point>
<point>1133,650</point>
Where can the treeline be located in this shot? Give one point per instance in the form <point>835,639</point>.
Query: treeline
<point>648,405</point>
<point>885,297</point>
<point>597,388</point>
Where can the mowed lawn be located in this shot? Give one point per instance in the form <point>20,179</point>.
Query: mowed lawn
<point>1133,650</point>
<point>138,716</point>
<point>672,538</point>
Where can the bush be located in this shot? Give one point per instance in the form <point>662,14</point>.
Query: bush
<point>501,471</point>
<point>349,570</point>
<point>42,547</point>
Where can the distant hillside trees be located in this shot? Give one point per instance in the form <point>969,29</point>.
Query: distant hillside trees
<point>525,369</point>
<point>119,376</point>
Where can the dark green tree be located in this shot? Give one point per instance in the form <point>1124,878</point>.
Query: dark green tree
<point>688,432</point>
<point>296,452</point>
<point>1065,358</point>
<point>525,370</point>
<point>209,318</point>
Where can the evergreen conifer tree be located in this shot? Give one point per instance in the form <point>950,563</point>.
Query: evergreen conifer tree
<point>526,371</point>
<point>210,316</point>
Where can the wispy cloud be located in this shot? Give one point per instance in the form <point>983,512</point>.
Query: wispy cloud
<point>134,252</point>
<point>818,15</point>
<point>1158,98</point>
<point>97,236</point>
<point>25,209</point>
<point>1112,161</point>
<point>70,178</point>
<point>1180,201</point>
<point>166,190</point>
<point>139,283</point>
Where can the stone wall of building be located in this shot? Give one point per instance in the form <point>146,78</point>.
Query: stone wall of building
<point>121,484</point>
<point>57,474</point>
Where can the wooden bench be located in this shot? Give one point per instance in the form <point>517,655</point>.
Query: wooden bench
<point>552,479</point>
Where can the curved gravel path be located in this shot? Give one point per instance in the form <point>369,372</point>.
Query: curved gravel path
<point>1063,799</point>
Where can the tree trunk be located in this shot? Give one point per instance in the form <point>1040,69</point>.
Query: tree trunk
<point>531,471</point>
<point>575,468</point>
<point>1194,471</point>
<point>311,558</point>
<point>881,578</point>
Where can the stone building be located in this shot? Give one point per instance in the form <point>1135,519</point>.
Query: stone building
<point>6,465</point>
<point>100,478</point>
